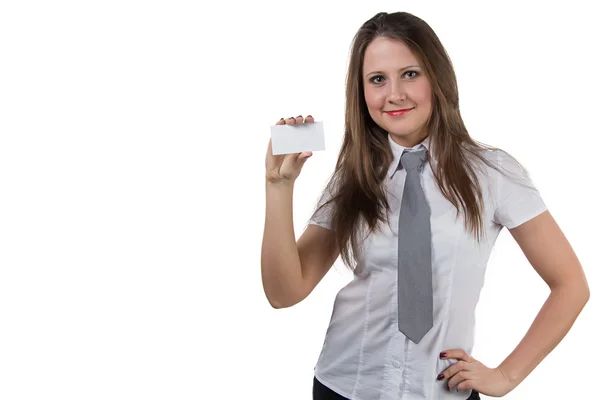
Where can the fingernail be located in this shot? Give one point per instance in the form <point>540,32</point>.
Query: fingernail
<point>440,377</point>
<point>299,116</point>
<point>443,354</point>
<point>308,116</point>
<point>281,119</point>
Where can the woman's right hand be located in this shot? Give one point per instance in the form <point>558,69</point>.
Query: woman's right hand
<point>286,167</point>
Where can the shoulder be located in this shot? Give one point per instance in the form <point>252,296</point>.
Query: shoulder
<point>501,173</point>
<point>498,163</point>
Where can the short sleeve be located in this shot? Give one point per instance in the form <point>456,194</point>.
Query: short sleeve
<point>517,200</point>
<point>322,215</point>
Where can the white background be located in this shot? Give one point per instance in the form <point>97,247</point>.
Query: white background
<point>132,144</point>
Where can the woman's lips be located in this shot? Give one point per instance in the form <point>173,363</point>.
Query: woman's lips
<point>397,112</point>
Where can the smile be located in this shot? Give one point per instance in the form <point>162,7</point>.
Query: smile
<point>397,113</point>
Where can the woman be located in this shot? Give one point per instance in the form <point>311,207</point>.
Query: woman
<point>413,207</point>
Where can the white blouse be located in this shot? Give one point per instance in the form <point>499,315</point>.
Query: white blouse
<point>364,356</point>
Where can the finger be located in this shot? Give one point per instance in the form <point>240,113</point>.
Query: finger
<point>290,121</point>
<point>280,122</point>
<point>453,370</point>
<point>302,157</point>
<point>296,160</point>
<point>457,354</point>
<point>289,161</point>
<point>305,155</point>
<point>458,378</point>
<point>465,385</point>
<point>309,118</point>
<point>299,119</point>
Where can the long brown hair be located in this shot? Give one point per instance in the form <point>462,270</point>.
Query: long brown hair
<point>356,188</point>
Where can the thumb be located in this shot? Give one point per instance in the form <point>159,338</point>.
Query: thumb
<point>302,157</point>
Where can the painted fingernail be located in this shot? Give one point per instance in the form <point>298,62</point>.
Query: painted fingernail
<point>443,354</point>
<point>440,377</point>
<point>281,119</point>
<point>299,116</point>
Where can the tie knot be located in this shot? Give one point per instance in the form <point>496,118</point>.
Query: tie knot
<point>413,160</point>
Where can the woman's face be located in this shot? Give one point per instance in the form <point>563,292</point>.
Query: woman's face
<point>394,80</point>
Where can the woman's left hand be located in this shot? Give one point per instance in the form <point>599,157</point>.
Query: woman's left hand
<point>468,373</point>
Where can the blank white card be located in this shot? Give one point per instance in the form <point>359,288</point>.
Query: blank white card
<point>288,139</point>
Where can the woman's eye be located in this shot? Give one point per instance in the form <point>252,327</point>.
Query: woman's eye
<point>379,79</point>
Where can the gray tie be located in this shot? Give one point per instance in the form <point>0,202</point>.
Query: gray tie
<point>415,298</point>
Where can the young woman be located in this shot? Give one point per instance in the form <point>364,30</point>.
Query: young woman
<point>413,207</point>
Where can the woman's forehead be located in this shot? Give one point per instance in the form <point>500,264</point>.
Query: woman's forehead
<point>388,54</point>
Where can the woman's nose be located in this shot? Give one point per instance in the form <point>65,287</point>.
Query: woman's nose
<point>397,92</point>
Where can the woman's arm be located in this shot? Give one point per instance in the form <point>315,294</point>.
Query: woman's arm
<point>291,270</point>
<point>551,255</point>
